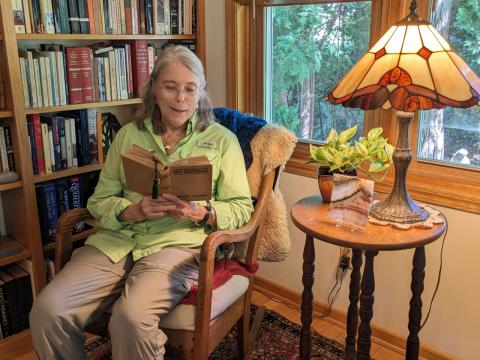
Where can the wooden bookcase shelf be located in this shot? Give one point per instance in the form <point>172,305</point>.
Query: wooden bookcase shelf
<point>103,37</point>
<point>67,172</point>
<point>23,254</point>
<point>5,114</point>
<point>11,186</point>
<point>95,105</point>
<point>19,199</point>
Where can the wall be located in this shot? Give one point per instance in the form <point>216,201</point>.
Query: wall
<point>454,324</point>
<point>216,53</point>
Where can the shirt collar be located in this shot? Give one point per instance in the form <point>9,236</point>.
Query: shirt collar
<point>191,125</point>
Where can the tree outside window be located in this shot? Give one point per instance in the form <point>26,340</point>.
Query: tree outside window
<point>453,135</point>
<point>309,48</point>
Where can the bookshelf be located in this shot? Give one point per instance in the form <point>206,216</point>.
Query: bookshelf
<point>19,198</point>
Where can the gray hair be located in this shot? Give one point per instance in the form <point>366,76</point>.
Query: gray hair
<point>148,108</point>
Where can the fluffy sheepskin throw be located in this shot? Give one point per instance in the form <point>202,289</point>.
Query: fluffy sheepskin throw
<point>271,147</point>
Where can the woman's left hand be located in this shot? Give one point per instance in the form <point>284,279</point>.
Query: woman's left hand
<point>185,210</point>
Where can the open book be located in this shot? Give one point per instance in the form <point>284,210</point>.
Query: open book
<point>189,179</point>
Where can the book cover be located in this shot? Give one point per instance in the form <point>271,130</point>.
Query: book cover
<point>24,289</point>
<point>9,147</point>
<point>62,192</point>
<point>139,65</point>
<point>74,76</point>
<point>189,179</point>
<point>4,324</point>
<point>10,292</point>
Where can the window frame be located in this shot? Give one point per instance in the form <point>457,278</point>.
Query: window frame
<point>430,182</point>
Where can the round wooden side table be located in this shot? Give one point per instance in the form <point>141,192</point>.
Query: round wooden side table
<point>311,216</point>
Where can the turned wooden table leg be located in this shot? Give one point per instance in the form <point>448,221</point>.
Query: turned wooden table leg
<point>354,296</point>
<point>415,313</point>
<point>366,307</point>
<point>307,298</point>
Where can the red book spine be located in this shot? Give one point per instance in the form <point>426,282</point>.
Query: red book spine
<point>128,16</point>
<point>86,74</point>
<point>139,65</point>
<point>37,128</point>
<point>74,76</point>
<point>141,17</point>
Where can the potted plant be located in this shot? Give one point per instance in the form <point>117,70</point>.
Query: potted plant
<point>371,155</point>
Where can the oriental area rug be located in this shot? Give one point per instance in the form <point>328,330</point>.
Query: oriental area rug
<point>277,339</point>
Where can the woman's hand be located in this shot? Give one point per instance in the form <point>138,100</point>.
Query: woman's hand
<point>188,210</point>
<point>147,209</point>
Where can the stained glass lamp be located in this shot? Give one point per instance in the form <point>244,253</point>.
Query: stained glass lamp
<point>410,68</point>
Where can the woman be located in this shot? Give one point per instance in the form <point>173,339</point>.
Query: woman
<point>143,258</point>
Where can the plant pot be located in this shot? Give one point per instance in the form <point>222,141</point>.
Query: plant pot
<point>325,182</point>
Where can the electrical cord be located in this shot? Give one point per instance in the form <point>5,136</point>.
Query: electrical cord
<point>438,280</point>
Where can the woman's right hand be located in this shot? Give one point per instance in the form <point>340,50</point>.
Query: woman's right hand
<point>146,209</point>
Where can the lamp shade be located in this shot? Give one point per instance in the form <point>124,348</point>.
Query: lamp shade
<point>410,68</point>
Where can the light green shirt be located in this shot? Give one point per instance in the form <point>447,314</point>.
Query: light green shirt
<point>231,194</point>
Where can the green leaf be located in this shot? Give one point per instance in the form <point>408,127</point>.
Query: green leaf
<point>374,133</point>
<point>361,149</point>
<point>332,136</point>
<point>346,135</point>
<point>377,166</point>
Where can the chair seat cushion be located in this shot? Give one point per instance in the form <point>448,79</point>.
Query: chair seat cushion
<point>183,316</point>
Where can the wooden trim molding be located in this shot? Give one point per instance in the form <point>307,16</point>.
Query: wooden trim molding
<point>380,335</point>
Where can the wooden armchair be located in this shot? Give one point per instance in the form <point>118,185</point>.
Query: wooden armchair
<point>199,342</point>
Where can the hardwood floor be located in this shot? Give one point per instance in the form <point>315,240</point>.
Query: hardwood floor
<point>326,327</point>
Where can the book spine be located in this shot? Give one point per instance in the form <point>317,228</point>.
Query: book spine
<point>9,146</point>
<point>26,15</point>
<point>36,17</point>
<point>128,16</point>
<point>141,18</point>
<point>74,76</point>
<point>174,17</point>
<point>73,133</point>
<point>18,16</point>
<point>75,199</point>
<point>3,150</point>
<point>83,17</point>
<point>149,16</point>
<point>86,74</point>
<point>63,142</point>
<point>42,212</point>
<point>99,138</point>
<point>91,20</point>
<point>46,149</point>
<point>38,82</point>
<point>47,16</point>
<point>37,127</point>
<point>61,189</point>
<point>33,150</point>
<point>92,136</point>
<point>56,16</point>
<point>135,28</point>
<point>51,202</point>
<point>4,324</point>
<point>139,64</point>
<point>61,77</point>
<point>68,142</point>
<point>74,16</point>
<point>64,19</point>
<point>15,318</point>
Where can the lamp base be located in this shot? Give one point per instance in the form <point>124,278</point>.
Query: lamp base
<point>396,209</point>
<point>399,207</point>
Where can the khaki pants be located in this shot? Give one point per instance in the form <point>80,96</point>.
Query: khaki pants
<point>141,291</point>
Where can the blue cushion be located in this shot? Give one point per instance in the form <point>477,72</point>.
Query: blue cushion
<point>242,125</point>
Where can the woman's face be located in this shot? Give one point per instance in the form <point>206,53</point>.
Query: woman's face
<point>176,90</point>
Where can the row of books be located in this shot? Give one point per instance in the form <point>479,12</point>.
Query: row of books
<point>57,75</point>
<point>15,299</point>
<point>70,139</point>
<point>7,160</point>
<point>161,17</point>
<point>56,197</point>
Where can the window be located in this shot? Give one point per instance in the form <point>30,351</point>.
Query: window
<point>308,49</point>
<point>452,135</point>
<point>254,86</point>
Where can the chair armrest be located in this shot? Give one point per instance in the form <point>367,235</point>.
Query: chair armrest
<point>252,230</point>
<point>64,236</point>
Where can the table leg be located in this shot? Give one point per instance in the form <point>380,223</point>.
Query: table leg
<point>415,313</point>
<point>307,297</point>
<point>352,316</point>
<point>366,307</point>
